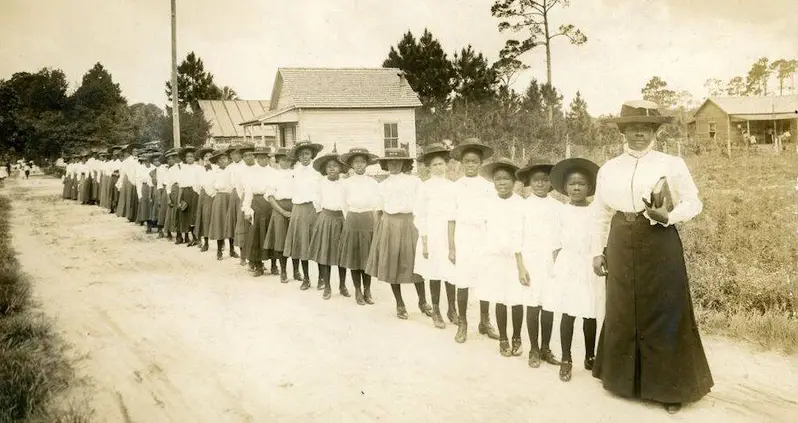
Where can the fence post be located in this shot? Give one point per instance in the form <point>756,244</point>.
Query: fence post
<point>679,148</point>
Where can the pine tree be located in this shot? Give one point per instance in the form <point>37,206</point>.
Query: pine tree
<point>426,66</point>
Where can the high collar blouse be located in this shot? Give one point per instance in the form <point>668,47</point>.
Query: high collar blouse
<point>162,175</point>
<point>208,180</point>
<point>470,195</point>
<point>624,181</point>
<point>305,188</point>
<point>190,176</point>
<point>332,195</point>
<point>434,203</point>
<point>283,182</point>
<point>221,180</point>
<point>258,180</point>
<point>399,193</point>
<point>362,194</point>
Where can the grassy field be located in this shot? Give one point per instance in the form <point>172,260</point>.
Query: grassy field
<point>33,368</point>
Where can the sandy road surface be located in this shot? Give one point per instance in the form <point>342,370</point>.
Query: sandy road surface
<point>168,334</point>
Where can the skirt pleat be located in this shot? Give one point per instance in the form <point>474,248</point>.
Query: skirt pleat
<point>203,222</point>
<point>325,238</point>
<point>65,193</point>
<point>132,202</point>
<point>163,206</point>
<point>278,227</point>
<point>170,224</point>
<point>186,217</point>
<point>300,226</point>
<point>218,220</point>
<point>145,205</point>
<point>114,192</point>
<point>257,232</point>
<point>355,241</point>
<point>84,192</point>
<point>233,208</point>
<point>393,249</point>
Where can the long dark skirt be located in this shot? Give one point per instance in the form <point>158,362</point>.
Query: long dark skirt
<point>123,197</point>
<point>163,206</point>
<point>95,189</point>
<point>171,211</point>
<point>203,221</point>
<point>67,184</point>
<point>355,241</point>
<point>393,249</point>
<point>326,237</point>
<point>219,211</point>
<point>233,209</point>
<point>84,192</point>
<point>198,214</point>
<point>132,202</point>
<point>145,204</point>
<point>257,232</point>
<point>101,191</point>
<point>300,228</point>
<point>155,201</point>
<point>73,189</point>
<point>649,345</point>
<point>114,191</point>
<point>186,217</point>
<point>278,227</point>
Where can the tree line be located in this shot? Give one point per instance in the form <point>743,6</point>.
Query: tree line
<point>755,83</point>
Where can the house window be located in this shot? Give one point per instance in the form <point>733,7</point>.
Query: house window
<point>391,135</point>
<point>712,130</point>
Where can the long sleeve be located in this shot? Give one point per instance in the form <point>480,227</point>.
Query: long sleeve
<point>246,203</point>
<point>199,174</point>
<point>516,223</point>
<point>420,209</point>
<point>316,193</point>
<point>685,194</point>
<point>601,216</point>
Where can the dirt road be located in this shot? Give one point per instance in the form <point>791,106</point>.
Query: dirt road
<point>169,334</point>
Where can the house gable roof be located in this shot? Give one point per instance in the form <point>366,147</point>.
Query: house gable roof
<point>342,88</point>
<point>755,105</point>
<point>226,116</point>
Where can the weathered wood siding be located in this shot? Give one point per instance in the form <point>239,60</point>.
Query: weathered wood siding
<point>712,113</point>
<point>349,128</point>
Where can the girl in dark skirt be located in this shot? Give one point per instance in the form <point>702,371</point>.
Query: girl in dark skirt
<point>241,177</point>
<point>116,165</point>
<point>218,227</point>
<point>173,190</point>
<point>144,182</point>
<point>393,249</point>
<point>84,189</point>
<point>187,197</point>
<point>233,170</point>
<point>305,200</point>
<point>363,202</point>
<point>203,201</point>
<point>257,209</point>
<point>132,200</point>
<point>326,236</point>
<point>156,192</point>
<point>649,346</point>
<point>579,292</point>
<point>280,199</point>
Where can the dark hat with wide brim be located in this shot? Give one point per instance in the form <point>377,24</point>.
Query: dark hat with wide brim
<point>489,169</point>
<point>359,151</point>
<point>241,148</point>
<point>217,154</point>
<point>562,169</point>
<point>314,148</point>
<point>434,150</point>
<point>263,151</point>
<point>639,111</point>
<point>535,165</point>
<point>320,164</point>
<point>131,146</point>
<point>283,152</point>
<point>475,144</point>
<point>114,148</point>
<point>203,151</point>
<point>394,155</point>
<point>185,150</point>
<point>170,152</point>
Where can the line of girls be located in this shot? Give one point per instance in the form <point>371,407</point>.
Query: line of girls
<point>469,235</point>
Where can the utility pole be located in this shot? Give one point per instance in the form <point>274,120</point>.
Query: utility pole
<point>175,105</point>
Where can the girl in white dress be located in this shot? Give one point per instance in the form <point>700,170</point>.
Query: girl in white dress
<point>432,212</point>
<point>540,210</point>
<point>505,277</point>
<point>580,291</point>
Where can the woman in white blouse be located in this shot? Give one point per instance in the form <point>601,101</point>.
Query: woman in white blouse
<point>188,181</point>
<point>326,233</point>
<point>433,210</point>
<point>218,227</point>
<point>204,201</point>
<point>363,201</point>
<point>649,346</point>
<point>393,249</point>
<point>280,199</point>
<point>256,207</point>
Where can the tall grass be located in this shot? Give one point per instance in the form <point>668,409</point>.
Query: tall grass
<point>33,368</point>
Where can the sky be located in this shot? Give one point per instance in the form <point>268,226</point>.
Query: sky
<point>243,42</point>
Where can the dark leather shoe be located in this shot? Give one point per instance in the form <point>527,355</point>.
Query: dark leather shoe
<point>367,297</point>
<point>178,240</point>
<point>305,285</point>
<point>274,270</point>
<point>258,272</point>
<point>462,333</point>
<point>359,297</point>
<point>589,361</point>
<point>233,254</point>
<point>283,277</point>
<point>565,371</point>
<point>344,291</point>
<point>453,316</point>
<point>437,319</point>
<point>672,408</point>
<point>160,235</point>
<point>297,276</point>
<point>504,348</point>
<point>242,261</point>
<point>516,347</point>
<point>548,356</point>
<point>320,285</point>
<point>401,312</point>
<point>327,293</point>
<point>204,248</point>
<point>425,308</point>
<point>485,328</point>
<point>534,358</point>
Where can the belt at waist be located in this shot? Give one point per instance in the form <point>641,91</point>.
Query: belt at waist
<point>302,204</point>
<point>630,216</point>
<point>334,213</point>
<point>402,215</point>
<point>356,210</point>
<point>223,191</point>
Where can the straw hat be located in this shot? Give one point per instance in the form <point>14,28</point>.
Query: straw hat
<point>561,170</point>
<point>535,164</point>
<point>434,150</point>
<point>639,111</point>
<point>359,151</point>
<point>394,155</point>
<point>283,152</point>
<point>320,164</point>
<point>217,154</point>
<point>263,151</point>
<point>203,151</point>
<point>185,150</point>
<point>487,170</point>
<point>314,148</point>
<point>471,144</point>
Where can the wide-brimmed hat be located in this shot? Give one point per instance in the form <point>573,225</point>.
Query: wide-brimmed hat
<point>263,151</point>
<point>394,155</point>
<point>487,170</point>
<point>433,150</point>
<point>314,148</point>
<point>187,149</point>
<point>170,152</point>
<point>241,148</point>
<point>203,151</point>
<point>359,151</point>
<point>639,111</point>
<point>535,164</point>
<point>562,169</point>
<point>131,146</point>
<point>283,152</point>
<point>217,154</point>
<point>320,164</point>
<point>471,144</point>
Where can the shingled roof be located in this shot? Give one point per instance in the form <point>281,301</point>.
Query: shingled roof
<point>763,105</point>
<point>350,88</point>
<point>226,116</point>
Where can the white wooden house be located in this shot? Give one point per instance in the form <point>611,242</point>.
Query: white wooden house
<point>354,107</point>
<point>226,116</point>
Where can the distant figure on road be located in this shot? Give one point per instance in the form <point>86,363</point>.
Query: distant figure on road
<point>26,168</point>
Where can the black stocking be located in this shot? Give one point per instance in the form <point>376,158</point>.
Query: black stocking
<point>230,242</point>
<point>566,336</point>
<point>324,274</point>
<point>305,271</point>
<point>341,276</point>
<point>397,294</point>
<point>451,295</point>
<point>422,293</point>
<point>283,265</point>
<point>219,245</point>
<point>501,321</point>
<point>435,291</point>
<point>546,327</point>
<point>589,328</point>
<point>518,320</point>
<point>462,303</point>
<point>532,322</point>
<point>356,278</point>
<point>484,308</point>
<point>366,280</point>
<point>295,264</point>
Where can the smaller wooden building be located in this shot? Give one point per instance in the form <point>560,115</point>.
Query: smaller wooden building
<point>226,116</point>
<point>754,122</point>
